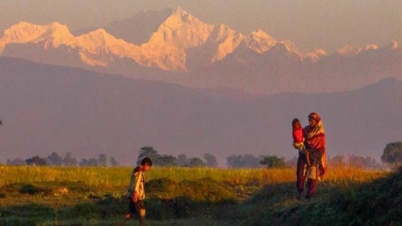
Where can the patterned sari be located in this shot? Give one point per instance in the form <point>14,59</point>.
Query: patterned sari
<point>315,139</point>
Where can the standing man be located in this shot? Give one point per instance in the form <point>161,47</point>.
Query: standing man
<point>136,190</point>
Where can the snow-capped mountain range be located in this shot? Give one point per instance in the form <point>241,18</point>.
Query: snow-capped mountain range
<point>49,103</point>
<point>177,47</point>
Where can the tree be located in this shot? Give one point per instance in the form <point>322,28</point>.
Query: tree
<point>338,160</point>
<point>113,162</point>
<point>89,162</point>
<point>235,161</point>
<point>240,161</point>
<point>69,161</point>
<point>16,162</point>
<point>291,162</point>
<point>36,161</point>
<point>393,154</point>
<point>182,160</point>
<point>168,160</point>
<point>250,161</point>
<point>102,160</point>
<point>210,160</point>
<point>363,162</point>
<point>273,161</point>
<point>196,162</point>
<point>151,153</point>
<point>54,159</point>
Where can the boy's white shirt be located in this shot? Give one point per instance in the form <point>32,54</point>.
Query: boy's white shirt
<point>139,189</point>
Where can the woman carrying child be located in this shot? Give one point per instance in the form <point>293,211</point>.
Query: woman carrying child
<point>311,162</point>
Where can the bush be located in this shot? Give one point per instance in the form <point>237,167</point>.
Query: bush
<point>170,199</point>
<point>31,189</point>
<point>87,211</point>
<point>26,214</point>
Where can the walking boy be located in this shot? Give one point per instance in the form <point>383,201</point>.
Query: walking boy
<point>136,190</point>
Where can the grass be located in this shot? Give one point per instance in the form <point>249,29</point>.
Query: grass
<point>196,196</point>
<point>117,176</point>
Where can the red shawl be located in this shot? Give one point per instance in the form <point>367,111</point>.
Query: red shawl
<point>315,136</point>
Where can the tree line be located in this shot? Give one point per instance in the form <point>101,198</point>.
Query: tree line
<point>209,160</point>
<point>392,156</point>
<point>55,159</point>
<point>251,161</point>
<point>163,160</point>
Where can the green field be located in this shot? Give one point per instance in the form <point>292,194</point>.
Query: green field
<point>32,195</point>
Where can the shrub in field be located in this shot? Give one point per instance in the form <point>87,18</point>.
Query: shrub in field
<point>45,189</point>
<point>26,214</point>
<point>203,190</point>
<point>86,211</point>
<point>375,203</point>
<point>32,190</point>
<point>110,206</point>
<point>161,187</point>
<point>375,200</point>
<point>188,198</point>
<point>17,221</point>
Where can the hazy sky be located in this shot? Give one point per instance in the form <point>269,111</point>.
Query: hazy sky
<point>309,24</point>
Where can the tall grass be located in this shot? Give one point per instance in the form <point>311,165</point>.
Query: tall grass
<point>119,176</point>
<point>93,176</point>
<point>262,196</point>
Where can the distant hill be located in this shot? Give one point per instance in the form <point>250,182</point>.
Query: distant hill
<point>48,108</point>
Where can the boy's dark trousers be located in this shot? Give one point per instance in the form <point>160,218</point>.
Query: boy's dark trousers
<point>137,208</point>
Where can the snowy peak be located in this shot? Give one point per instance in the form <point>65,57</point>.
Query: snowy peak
<point>222,32</point>
<point>100,48</point>
<point>260,34</point>
<point>57,34</point>
<point>98,38</point>
<point>179,12</point>
<point>259,41</point>
<point>317,54</point>
<point>96,48</point>
<point>52,35</point>
<point>393,45</point>
<point>348,50</point>
<point>181,30</point>
<point>226,40</point>
<point>370,47</point>
<point>23,32</point>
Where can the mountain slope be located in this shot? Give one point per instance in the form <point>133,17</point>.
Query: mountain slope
<point>140,27</point>
<point>48,108</point>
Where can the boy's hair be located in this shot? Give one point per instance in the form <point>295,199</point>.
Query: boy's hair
<point>295,122</point>
<point>146,161</point>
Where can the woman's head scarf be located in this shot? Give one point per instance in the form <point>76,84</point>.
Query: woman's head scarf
<point>315,136</point>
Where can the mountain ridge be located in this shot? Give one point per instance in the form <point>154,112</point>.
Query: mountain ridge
<point>183,50</point>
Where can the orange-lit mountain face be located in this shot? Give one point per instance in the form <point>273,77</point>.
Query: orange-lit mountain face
<point>176,47</point>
